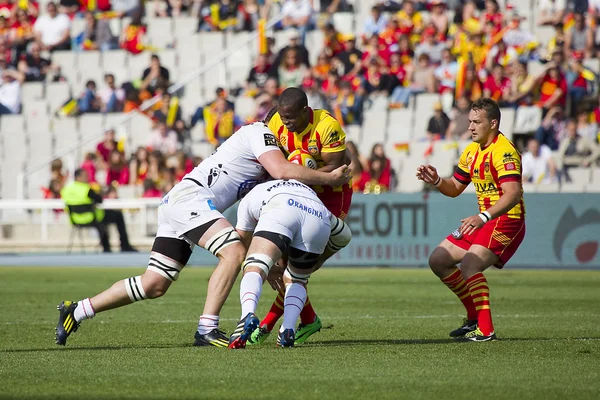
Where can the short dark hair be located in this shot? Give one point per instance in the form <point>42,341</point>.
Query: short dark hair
<point>490,107</point>
<point>155,57</point>
<point>79,172</point>
<point>294,97</point>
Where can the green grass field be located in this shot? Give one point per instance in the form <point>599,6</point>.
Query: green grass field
<point>385,338</point>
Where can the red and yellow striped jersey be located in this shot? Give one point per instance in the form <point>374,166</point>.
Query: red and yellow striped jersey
<point>488,168</point>
<point>322,135</point>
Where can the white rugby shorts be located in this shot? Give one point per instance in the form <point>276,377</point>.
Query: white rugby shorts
<point>304,221</point>
<point>186,207</point>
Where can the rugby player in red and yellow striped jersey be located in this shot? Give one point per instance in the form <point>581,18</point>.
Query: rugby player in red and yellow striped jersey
<point>297,126</point>
<point>493,236</point>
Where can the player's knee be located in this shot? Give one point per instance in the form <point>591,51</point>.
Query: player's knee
<point>234,254</point>
<point>257,262</point>
<point>155,285</point>
<point>340,234</point>
<point>439,259</point>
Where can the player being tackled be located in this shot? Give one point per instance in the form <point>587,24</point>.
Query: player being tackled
<point>279,218</point>
<point>490,238</point>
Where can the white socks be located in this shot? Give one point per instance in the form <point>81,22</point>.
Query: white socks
<point>250,290</point>
<point>295,297</point>
<point>84,310</point>
<point>207,323</point>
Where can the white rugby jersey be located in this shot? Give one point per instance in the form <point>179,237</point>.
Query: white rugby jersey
<point>279,193</point>
<point>233,169</point>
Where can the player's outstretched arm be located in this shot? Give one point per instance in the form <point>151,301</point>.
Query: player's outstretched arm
<point>280,168</point>
<point>447,186</point>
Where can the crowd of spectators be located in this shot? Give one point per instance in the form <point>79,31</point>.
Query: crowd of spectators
<point>406,48</point>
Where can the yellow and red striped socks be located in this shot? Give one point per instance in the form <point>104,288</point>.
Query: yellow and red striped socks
<point>457,284</point>
<point>480,293</point>
<point>275,312</point>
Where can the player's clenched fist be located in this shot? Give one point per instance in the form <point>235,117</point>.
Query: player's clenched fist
<point>341,175</point>
<point>427,174</point>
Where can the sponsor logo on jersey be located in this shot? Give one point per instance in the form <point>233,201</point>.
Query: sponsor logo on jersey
<point>487,167</point>
<point>485,187</point>
<point>457,235</point>
<point>308,210</point>
<point>313,149</point>
<point>270,139</point>
<point>508,157</point>
<point>283,140</point>
<point>165,200</point>
<point>214,174</point>
<point>211,205</point>
<point>334,137</point>
<point>194,215</point>
<point>510,166</point>
<point>476,171</point>
<point>335,144</point>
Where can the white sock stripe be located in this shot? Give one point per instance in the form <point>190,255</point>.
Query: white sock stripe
<point>337,227</point>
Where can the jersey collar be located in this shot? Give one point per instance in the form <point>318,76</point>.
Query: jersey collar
<point>493,141</point>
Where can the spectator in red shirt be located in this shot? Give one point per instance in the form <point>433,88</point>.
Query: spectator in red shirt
<point>105,147</point>
<point>553,88</point>
<point>492,14</point>
<point>89,164</point>
<point>497,86</point>
<point>375,50</point>
<point>118,170</point>
<point>150,189</point>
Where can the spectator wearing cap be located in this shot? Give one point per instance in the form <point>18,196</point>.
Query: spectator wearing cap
<point>10,91</point>
<point>580,38</point>
<point>298,14</point>
<point>375,23</point>
<point>430,46</point>
<point>293,44</point>
<point>52,30</point>
<point>439,123</point>
<point>551,12</point>
<point>516,37</point>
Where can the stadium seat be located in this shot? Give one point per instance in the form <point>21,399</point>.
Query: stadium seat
<point>353,133</point>
<point>188,52</point>
<point>375,121</point>
<point>36,116</point>
<point>507,121</point>
<point>88,60</point>
<point>65,133</point>
<point>90,125</point>
<point>185,27</point>
<point>137,64</point>
<point>168,59</point>
<point>40,146</point>
<point>444,157</point>
<point>160,33</point>
<point>527,119</point>
<point>399,126</point>
<point>580,175</point>
<point>14,139</point>
<point>593,64</point>
<point>35,182</point>
<point>211,44</point>
<point>114,120</point>
<point>245,107</point>
<point>198,135</point>
<point>140,131</point>
<point>127,192</point>
<point>114,60</point>
<point>544,34</point>
<point>344,22</point>
<point>424,111</point>
<point>535,68</point>
<point>57,93</point>
<point>31,91</point>
<point>12,125</point>
<point>77,26</point>
<point>203,149</point>
<point>67,63</point>
<point>238,75</point>
<point>212,79</point>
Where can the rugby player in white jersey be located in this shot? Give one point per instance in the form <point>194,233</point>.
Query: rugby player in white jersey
<point>280,217</point>
<point>191,214</point>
